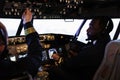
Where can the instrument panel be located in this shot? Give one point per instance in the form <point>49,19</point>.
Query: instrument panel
<point>17,44</point>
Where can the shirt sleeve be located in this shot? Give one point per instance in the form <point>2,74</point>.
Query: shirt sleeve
<point>32,61</point>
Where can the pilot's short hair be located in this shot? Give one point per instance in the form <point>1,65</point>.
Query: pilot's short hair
<point>106,23</point>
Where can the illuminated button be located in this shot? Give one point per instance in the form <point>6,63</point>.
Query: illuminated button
<point>40,13</point>
<point>12,10</point>
<point>15,10</point>
<point>9,13</point>
<point>6,13</point>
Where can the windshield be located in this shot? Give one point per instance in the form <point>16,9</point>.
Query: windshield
<point>55,26</point>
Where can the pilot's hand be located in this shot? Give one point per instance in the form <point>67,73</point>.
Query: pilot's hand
<point>27,16</point>
<point>56,56</point>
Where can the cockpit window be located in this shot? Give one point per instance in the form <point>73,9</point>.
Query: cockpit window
<point>55,26</point>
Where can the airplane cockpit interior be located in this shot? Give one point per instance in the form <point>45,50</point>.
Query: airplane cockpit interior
<point>58,22</point>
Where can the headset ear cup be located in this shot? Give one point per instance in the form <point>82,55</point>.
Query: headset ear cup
<point>108,27</point>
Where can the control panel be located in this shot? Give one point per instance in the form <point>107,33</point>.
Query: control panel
<point>57,9</point>
<point>41,8</point>
<point>17,44</point>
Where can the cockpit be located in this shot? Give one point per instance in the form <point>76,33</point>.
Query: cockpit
<point>58,23</point>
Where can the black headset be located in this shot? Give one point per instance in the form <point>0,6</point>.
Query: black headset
<point>109,26</point>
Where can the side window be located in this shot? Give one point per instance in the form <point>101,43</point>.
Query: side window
<point>82,37</point>
<point>116,23</point>
<point>119,37</point>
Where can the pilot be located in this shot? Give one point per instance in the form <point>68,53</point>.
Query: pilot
<point>90,56</point>
<point>28,64</point>
<point>83,64</point>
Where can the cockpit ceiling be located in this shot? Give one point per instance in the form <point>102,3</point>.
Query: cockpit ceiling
<point>60,9</point>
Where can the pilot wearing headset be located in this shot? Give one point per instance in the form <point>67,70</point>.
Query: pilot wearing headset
<point>91,54</point>
<point>28,64</point>
<point>83,65</point>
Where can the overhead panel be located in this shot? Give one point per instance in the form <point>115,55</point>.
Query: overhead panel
<point>57,9</point>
